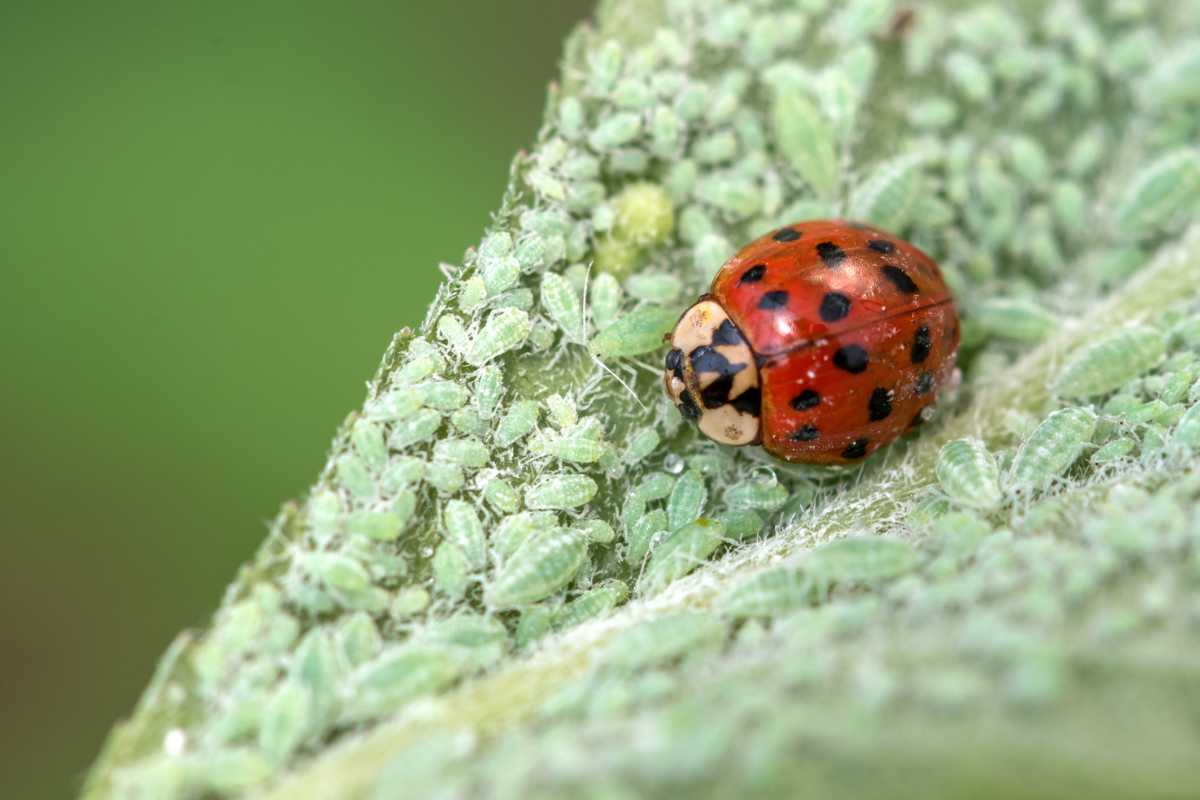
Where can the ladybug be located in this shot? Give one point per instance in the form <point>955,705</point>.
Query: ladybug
<point>822,341</point>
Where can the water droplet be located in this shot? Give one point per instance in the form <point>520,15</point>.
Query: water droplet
<point>427,552</point>
<point>673,464</point>
<point>175,742</point>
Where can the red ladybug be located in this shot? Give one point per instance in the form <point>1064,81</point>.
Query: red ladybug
<point>822,341</point>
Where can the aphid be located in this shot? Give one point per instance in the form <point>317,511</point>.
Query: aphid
<point>968,474</point>
<point>562,305</point>
<point>680,553</point>
<point>402,472</point>
<point>806,139</point>
<point>514,529</point>
<point>1052,448</point>
<point>654,287</point>
<point>664,639</point>
<point>504,330</point>
<point>416,428</point>
<point>467,420</point>
<point>641,444</point>
<point>353,475</point>
<point>687,499</point>
<point>823,341</point>
<point>444,476</point>
<point>517,422</point>
<point>1162,190</point>
<point>382,526</point>
<point>358,640</point>
<point>860,559</point>
<point>450,570</point>
<point>536,621</point>
<point>890,195</point>
<point>640,331</point>
<point>769,593</point>
<point>1187,431</point>
<point>1111,362</point>
<point>481,640</point>
<point>543,564</point>
<point>1114,451</point>
<point>465,531</point>
<point>969,75</point>
<point>1019,320</point>
<point>741,524</point>
<point>443,395</point>
<point>616,130</point>
<point>409,602</point>
<point>560,492</point>
<point>592,603</point>
<point>420,361</point>
<point>501,495</point>
<point>642,532</point>
<point>759,495</point>
<point>397,676</point>
<point>563,411</point>
<point>465,452</point>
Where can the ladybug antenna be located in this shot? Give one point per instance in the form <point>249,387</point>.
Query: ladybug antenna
<point>617,377</point>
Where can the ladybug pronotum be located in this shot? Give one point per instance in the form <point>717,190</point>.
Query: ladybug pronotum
<point>822,341</point>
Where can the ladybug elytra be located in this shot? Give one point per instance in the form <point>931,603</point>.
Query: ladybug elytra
<point>821,341</point>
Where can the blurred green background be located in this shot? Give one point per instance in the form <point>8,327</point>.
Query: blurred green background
<point>214,216</point>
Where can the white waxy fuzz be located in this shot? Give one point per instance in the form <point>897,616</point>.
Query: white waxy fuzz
<point>711,375</point>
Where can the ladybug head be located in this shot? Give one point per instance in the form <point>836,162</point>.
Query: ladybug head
<point>711,375</point>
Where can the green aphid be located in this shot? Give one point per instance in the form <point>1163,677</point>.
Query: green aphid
<point>421,361</point>
<point>563,411</point>
<point>890,194</point>
<point>562,305</point>
<point>465,531</point>
<point>500,495</point>
<point>654,287</point>
<point>399,675</point>
<point>416,428</point>
<point>409,602</point>
<point>1114,450</point>
<point>592,603</point>
<point>383,526</point>
<point>741,524</point>
<point>445,476</point>
<point>680,553</point>
<point>739,197</point>
<point>615,130</point>
<point>641,533</point>
<point>544,563</point>
<point>654,486</point>
<point>468,421</point>
<point>353,475</point>
<point>464,452</point>
<point>450,329</point>
<point>597,531</point>
<point>367,439</point>
<point>605,299</point>
<point>560,492</point>
<point>505,329</point>
<point>757,494</point>
<point>402,472</point>
<point>287,722</point>
<point>443,395</point>
<point>342,575</point>
<point>536,621</point>
<point>489,387</point>
<point>659,641</point>
<point>1051,448</point>
<point>687,499</point>
<point>451,572</point>
<point>517,422</point>
<point>969,475</point>
<point>769,593</point>
<point>969,75</point>
<point>1187,430</point>
<point>805,139</point>
<point>1019,320</point>
<point>1111,362</point>
<point>324,514</point>
<point>860,559</point>
<point>481,640</point>
<point>513,530</point>
<point>641,444</point>
<point>635,333</point>
<point>1160,192</point>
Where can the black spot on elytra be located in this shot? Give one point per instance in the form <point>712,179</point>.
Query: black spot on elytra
<point>773,301</point>
<point>753,275</point>
<point>726,333</point>
<point>706,359</point>
<point>786,235</point>
<point>831,254</point>
<point>852,358</point>
<point>675,363</point>
<point>856,449</point>
<point>834,306</point>
<point>806,400</point>
<point>882,246</point>
<point>687,407</point>
<point>924,382</point>
<point>880,405</point>
<point>807,433</point>
<point>716,394</point>
<point>749,401</point>
<point>900,279</point>
<point>922,344</point>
